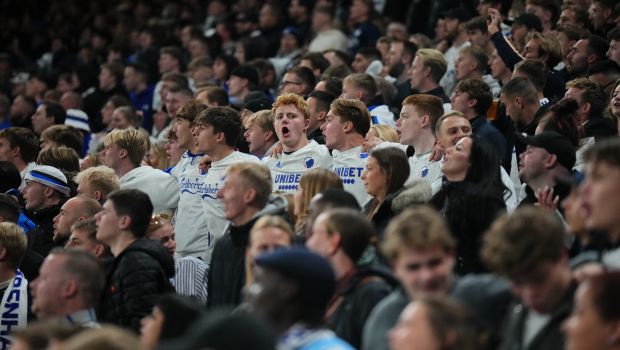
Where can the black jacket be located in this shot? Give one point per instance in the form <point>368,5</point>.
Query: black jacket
<point>134,281</point>
<point>356,300</point>
<point>227,268</point>
<point>41,239</point>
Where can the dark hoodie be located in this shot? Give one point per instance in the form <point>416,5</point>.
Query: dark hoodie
<point>134,281</point>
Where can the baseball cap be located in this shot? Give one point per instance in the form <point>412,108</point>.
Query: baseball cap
<point>554,143</point>
<point>530,21</point>
<point>294,32</point>
<point>248,72</point>
<point>49,176</point>
<point>257,104</point>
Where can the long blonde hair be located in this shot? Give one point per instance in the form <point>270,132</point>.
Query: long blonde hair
<point>313,182</point>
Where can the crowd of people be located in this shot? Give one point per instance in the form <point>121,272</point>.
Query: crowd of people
<point>296,174</point>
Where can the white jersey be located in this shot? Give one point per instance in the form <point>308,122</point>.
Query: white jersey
<point>422,168</point>
<point>190,225</point>
<point>161,187</point>
<point>349,166</point>
<point>287,169</point>
<point>213,208</point>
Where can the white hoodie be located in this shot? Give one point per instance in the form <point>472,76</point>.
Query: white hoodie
<point>162,188</point>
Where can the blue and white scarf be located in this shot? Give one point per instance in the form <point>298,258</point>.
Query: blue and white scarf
<point>14,308</point>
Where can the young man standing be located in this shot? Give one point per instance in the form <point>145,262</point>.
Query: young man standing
<point>216,132</point>
<point>141,269</point>
<point>291,121</point>
<point>190,224</point>
<point>124,151</point>
<point>344,129</point>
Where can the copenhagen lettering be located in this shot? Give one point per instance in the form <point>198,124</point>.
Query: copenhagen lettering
<point>10,315</point>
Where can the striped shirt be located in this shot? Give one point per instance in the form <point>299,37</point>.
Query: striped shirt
<point>190,278</point>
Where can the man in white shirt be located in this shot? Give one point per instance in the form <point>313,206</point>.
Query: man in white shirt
<point>344,129</point>
<point>416,127</point>
<point>291,121</point>
<point>216,131</point>
<point>190,225</point>
<point>123,152</point>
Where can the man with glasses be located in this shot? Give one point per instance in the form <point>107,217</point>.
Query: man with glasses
<point>298,80</point>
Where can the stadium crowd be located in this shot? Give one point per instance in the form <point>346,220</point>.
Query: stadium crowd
<point>297,174</point>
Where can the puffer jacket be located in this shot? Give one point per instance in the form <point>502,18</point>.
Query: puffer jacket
<point>134,281</point>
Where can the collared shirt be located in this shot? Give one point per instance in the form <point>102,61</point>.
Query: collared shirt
<point>84,318</point>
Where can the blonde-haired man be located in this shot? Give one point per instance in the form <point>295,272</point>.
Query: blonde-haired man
<point>123,152</point>
<point>426,71</point>
<point>97,182</point>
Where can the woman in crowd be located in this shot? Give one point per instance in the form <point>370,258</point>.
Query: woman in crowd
<point>385,175</point>
<point>156,157</point>
<point>470,197</point>
<point>437,324</point>
<point>595,321</point>
<point>311,183</point>
<point>269,233</point>
<point>384,132</point>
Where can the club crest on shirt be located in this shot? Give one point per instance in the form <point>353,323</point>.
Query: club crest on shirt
<point>279,164</point>
<point>424,171</point>
<point>363,155</point>
<point>308,162</point>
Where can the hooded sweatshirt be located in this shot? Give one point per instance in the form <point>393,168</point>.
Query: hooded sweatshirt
<point>162,189</point>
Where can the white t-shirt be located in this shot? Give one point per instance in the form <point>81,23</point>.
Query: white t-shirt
<point>422,168</point>
<point>287,169</point>
<point>349,166</point>
<point>190,225</point>
<point>213,208</point>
